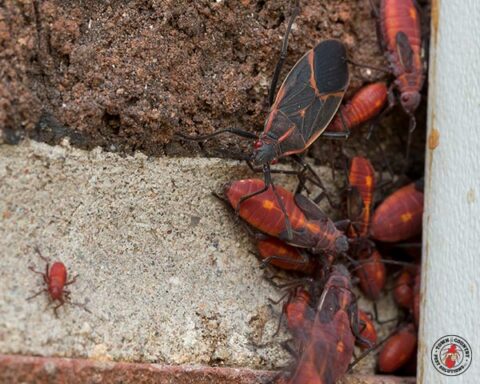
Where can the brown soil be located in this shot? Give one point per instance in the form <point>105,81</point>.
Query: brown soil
<point>126,75</point>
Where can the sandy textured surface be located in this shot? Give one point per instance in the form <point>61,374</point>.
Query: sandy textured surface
<point>163,268</point>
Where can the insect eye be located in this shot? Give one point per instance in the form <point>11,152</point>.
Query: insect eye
<point>258,144</point>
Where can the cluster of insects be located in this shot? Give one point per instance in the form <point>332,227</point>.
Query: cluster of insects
<point>326,260</point>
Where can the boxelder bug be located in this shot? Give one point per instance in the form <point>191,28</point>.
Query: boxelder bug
<point>327,355</point>
<point>399,216</point>
<point>367,103</point>
<point>400,37</point>
<point>273,251</point>
<point>398,350</point>
<point>371,273</point>
<point>299,314</point>
<point>362,185</point>
<point>403,289</point>
<point>55,277</point>
<point>281,255</point>
<point>371,269</point>
<point>310,227</point>
<point>304,105</point>
<point>367,330</point>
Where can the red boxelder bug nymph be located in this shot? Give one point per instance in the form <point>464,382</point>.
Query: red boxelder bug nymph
<point>367,103</point>
<point>55,277</point>
<point>398,350</point>
<point>403,289</point>
<point>399,216</point>
<point>400,36</point>
<point>361,179</point>
<point>372,273</point>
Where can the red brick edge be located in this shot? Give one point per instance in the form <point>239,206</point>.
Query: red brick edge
<point>33,370</point>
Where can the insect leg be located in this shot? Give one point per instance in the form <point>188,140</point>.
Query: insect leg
<point>355,323</point>
<point>411,127</point>
<point>34,270</point>
<point>281,171</point>
<point>302,262</point>
<point>283,53</point>
<point>58,306</point>
<point>37,250</point>
<point>73,280</point>
<point>286,345</point>
<point>318,181</point>
<point>368,66</point>
<point>81,306</point>
<point>234,131</point>
<point>36,294</point>
<point>367,352</point>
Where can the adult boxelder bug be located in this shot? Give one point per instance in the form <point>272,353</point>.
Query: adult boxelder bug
<point>55,277</point>
<point>305,104</point>
<point>398,350</point>
<point>367,103</point>
<point>399,216</point>
<point>326,356</point>
<point>310,227</point>
<point>400,30</point>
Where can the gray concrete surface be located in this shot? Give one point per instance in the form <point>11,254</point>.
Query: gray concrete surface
<point>164,269</point>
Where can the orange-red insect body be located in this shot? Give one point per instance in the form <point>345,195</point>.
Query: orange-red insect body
<point>371,273</point>
<point>264,213</point>
<point>399,216</point>
<point>326,356</point>
<point>362,180</point>
<point>299,314</point>
<point>367,103</point>
<point>403,290</point>
<point>401,33</point>
<point>367,330</point>
<point>284,256</point>
<point>398,350</point>
<point>55,277</point>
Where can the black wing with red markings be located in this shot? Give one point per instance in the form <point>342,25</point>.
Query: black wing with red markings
<point>309,97</point>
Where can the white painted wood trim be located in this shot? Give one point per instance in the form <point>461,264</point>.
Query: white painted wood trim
<point>451,246</point>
